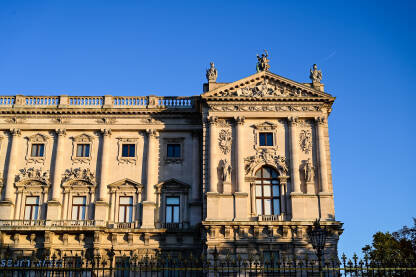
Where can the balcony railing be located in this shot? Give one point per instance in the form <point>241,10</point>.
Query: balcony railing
<point>108,101</point>
<point>5,223</point>
<point>271,217</point>
<point>123,225</point>
<point>52,223</point>
<point>172,226</point>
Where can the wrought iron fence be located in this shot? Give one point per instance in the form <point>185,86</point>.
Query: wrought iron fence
<point>166,265</point>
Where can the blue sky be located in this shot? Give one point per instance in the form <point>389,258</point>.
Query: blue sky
<point>364,48</point>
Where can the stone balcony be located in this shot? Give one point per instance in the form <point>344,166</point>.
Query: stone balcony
<point>50,224</point>
<point>98,102</point>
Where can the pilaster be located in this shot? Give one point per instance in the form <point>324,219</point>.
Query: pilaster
<point>294,159</point>
<point>323,170</point>
<point>213,178</point>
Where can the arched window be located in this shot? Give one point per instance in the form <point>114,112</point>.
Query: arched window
<point>267,191</point>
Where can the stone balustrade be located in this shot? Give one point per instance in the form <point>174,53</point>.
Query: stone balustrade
<point>52,223</point>
<point>107,101</point>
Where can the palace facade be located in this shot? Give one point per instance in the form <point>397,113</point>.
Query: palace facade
<point>244,168</point>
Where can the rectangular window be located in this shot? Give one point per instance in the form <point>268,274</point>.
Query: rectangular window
<point>125,213</point>
<point>128,150</point>
<point>172,209</point>
<point>78,207</point>
<point>83,150</point>
<point>32,208</point>
<point>37,150</point>
<point>174,150</point>
<point>266,139</point>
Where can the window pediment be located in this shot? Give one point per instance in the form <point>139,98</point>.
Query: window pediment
<point>172,185</point>
<point>32,175</point>
<point>126,185</point>
<point>266,157</point>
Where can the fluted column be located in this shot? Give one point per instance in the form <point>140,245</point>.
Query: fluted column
<point>239,148</point>
<point>57,172</point>
<point>213,179</point>
<point>104,165</point>
<point>294,159</point>
<point>14,151</point>
<point>151,173</point>
<point>323,170</point>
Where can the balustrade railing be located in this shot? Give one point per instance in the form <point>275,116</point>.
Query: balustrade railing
<point>123,225</point>
<point>108,101</point>
<point>272,217</point>
<point>22,222</point>
<point>172,226</point>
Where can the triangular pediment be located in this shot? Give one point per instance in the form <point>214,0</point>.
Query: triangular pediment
<point>173,185</point>
<point>265,85</point>
<point>126,183</point>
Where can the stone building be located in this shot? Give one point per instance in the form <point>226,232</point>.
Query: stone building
<point>244,167</point>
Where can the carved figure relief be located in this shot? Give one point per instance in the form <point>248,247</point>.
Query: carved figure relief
<point>266,156</point>
<point>305,141</point>
<point>309,171</point>
<point>33,174</point>
<point>224,141</point>
<point>79,174</point>
<point>212,73</point>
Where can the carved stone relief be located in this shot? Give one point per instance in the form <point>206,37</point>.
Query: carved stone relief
<point>33,174</point>
<point>224,141</point>
<point>305,141</point>
<point>309,171</point>
<point>266,156</point>
<point>106,120</point>
<point>266,108</point>
<point>83,174</point>
<point>267,88</point>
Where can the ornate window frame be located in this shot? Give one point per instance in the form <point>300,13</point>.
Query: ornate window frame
<point>172,188</point>
<point>127,160</point>
<point>78,182</point>
<point>128,188</point>
<point>32,182</point>
<point>265,127</point>
<point>82,139</point>
<point>166,141</point>
<point>36,139</point>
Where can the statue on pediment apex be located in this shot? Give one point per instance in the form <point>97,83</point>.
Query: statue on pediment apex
<point>212,73</point>
<point>263,62</point>
<point>315,74</point>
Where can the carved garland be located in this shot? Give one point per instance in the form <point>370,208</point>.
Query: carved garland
<point>224,141</point>
<point>305,141</point>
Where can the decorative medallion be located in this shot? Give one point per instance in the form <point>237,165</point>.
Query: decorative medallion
<point>224,141</point>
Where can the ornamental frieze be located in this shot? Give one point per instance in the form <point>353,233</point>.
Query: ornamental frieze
<point>266,108</point>
<point>269,157</point>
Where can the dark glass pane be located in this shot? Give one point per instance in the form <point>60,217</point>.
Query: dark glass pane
<point>177,150</point>
<point>79,150</point>
<point>34,148</point>
<point>174,150</point>
<point>262,139</point>
<point>87,150</point>
<point>132,150</point>
<point>41,149</point>
<point>125,150</point>
<point>269,139</point>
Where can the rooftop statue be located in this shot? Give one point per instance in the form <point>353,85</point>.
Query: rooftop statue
<point>263,62</point>
<point>316,75</point>
<point>212,73</point>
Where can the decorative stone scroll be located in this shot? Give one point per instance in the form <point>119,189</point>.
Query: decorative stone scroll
<point>224,141</point>
<point>33,174</point>
<point>305,141</point>
<point>266,156</point>
<point>83,174</point>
